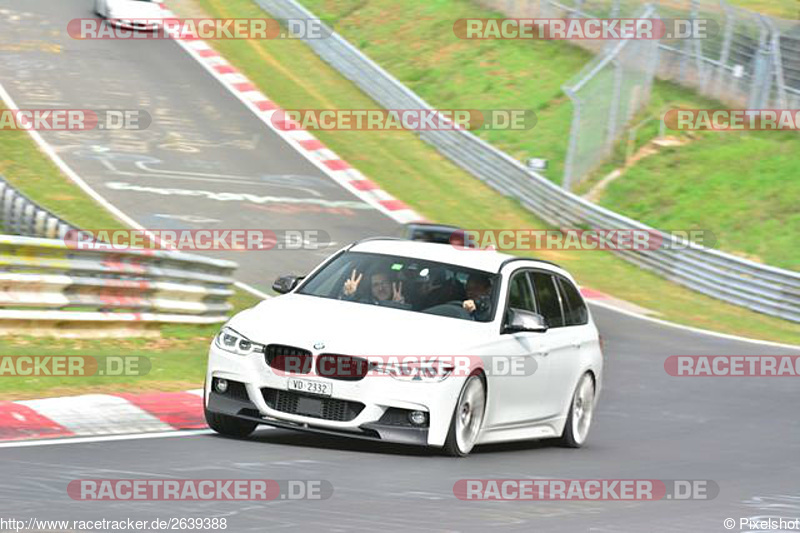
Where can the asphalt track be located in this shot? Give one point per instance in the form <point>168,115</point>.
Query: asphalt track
<point>201,139</point>
<point>742,433</point>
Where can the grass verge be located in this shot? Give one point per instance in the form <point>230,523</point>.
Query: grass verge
<point>177,358</point>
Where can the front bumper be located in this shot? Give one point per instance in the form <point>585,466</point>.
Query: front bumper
<point>377,393</point>
<point>145,25</point>
<point>246,410</point>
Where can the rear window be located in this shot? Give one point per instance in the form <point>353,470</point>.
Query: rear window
<point>547,300</point>
<point>575,308</point>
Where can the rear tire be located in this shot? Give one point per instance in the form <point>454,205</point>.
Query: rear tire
<point>579,419</point>
<point>228,425</point>
<point>467,419</point>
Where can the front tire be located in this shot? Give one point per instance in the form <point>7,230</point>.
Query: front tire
<point>467,419</point>
<point>579,419</point>
<point>228,425</point>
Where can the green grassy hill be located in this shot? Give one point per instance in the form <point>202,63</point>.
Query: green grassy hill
<point>741,186</point>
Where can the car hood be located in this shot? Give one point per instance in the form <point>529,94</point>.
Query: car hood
<point>133,9</point>
<point>358,329</point>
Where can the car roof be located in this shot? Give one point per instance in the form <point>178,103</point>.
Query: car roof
<point>486,260</point>
<point>432,225</point>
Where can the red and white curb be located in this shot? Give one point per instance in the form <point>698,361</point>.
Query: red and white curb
<point>101,414</point>
<point>617,304</point>
<point>301,140</point>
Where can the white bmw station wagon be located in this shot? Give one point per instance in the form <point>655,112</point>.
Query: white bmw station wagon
<point>416,343</point>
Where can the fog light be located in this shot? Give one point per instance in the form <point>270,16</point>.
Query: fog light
<point>417,418</point>
<point>221,385</point>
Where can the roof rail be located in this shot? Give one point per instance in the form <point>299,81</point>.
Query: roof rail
<point>368,239</point>
<point>512,259</point>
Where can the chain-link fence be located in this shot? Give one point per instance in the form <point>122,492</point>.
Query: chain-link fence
<point>605,96</point>
<point>751,61</point>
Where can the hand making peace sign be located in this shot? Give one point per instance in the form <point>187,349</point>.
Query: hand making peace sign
<point>397,292</point>
<point>351,283</point>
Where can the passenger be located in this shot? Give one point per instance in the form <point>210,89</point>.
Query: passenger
<point>478,290</point>
<point>434,289</point>
<point>382,288</point>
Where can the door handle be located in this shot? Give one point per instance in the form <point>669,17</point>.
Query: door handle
<point>542,354</point>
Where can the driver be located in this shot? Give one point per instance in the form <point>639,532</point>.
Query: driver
<point>381,286</point>
<point>478,295</point>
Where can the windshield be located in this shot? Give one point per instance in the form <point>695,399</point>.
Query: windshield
<point>406,283</point>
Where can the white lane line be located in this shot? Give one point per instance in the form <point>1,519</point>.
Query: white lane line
<point>252,290</point>
<point>73,176</point>
<point>287,136</point>
<point>107,438</point>
<point>700,331</point>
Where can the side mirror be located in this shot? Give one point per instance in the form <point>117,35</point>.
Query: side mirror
<point>286,284</point>
<point>521,320</point>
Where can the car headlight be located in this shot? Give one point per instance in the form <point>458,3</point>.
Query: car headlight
<point>231,341</point>
<point>428,371</point>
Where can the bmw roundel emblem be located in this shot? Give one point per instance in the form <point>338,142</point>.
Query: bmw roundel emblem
<point>319,346</point>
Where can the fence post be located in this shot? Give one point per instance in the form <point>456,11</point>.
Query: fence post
<point>574,131</point>
<point>613,110</point>
<point>761,83</point>
<point>777,65</point>
<point>725,54</point>
<point>760,68</point>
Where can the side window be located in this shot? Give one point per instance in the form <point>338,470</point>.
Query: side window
<point>547,298</point>
<point>576,311</point>
<point>519,293</point>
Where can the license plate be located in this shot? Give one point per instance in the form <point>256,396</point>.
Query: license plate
<point>307,386</point>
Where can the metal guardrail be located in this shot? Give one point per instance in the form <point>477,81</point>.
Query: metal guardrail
<point>762,288</point>
<point>47,280</point>
<point>110,285</point>
<point>21,216</point>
